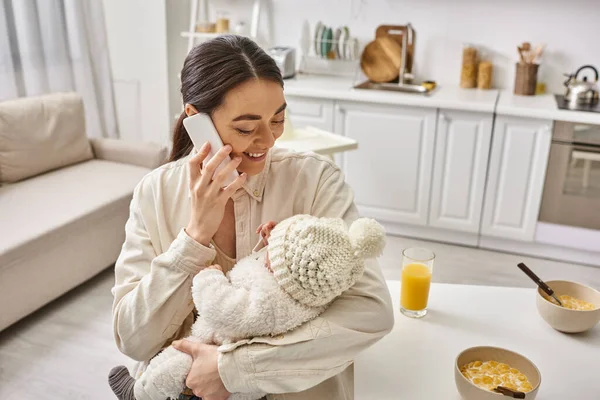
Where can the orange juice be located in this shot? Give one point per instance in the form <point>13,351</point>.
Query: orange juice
<point>416,279</point>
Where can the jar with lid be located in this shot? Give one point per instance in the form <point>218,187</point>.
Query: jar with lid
<point>468,75</point>
<point>484,72</point>
<point>222,25</point>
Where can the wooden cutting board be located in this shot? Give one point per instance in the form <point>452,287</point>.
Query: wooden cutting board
<point>380,60</point>
<point>396,32</point>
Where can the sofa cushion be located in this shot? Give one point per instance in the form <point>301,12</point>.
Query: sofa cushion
<point>38,211</point>
<point>42,133</point>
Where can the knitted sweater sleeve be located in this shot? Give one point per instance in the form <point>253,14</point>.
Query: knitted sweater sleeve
<point>239,312</point>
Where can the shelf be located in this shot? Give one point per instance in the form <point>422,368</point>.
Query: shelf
<point>201,35</point>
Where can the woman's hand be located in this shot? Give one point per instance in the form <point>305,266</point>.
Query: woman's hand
<point>204,378</point>
<point>208,195</point>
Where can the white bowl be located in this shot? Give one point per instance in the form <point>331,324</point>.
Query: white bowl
<point>470,391</point>
<point>564,319</point>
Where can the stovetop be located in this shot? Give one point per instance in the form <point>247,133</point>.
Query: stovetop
<point>564,105</point>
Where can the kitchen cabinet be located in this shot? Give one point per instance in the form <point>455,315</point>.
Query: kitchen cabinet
<point>460,164</point>
<point>307,111</point>
<point>518,160</point>
<point>390,172</point>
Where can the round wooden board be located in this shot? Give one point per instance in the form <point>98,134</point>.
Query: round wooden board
<point>380,61</point>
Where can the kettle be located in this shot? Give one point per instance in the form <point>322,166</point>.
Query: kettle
<point>581,91</point>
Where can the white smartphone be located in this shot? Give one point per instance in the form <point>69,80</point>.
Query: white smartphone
<point>201,130</point>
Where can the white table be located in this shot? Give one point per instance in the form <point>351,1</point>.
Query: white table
<point>416,360</point>
<point>316,140</point>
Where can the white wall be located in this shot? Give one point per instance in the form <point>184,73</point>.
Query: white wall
<point>137,42</point>
<point>570,28</point>
<point>147,51</point>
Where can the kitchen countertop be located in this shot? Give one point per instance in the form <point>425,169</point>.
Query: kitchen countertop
<point>341,88</point>
<point>541,106</point>
<point>502,102</point>
<point>416,359</point>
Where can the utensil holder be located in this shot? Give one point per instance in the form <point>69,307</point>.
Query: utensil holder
<point>526,79</point>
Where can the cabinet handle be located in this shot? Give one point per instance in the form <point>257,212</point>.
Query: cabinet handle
<point>340,109</point>
<point>445,117</point>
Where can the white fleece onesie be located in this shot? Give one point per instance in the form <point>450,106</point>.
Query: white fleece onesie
<point>246,303</point>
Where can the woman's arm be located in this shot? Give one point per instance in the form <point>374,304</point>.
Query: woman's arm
<point>152,293</point>
<point>357,319</point>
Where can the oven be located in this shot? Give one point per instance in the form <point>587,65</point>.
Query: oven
<point>572,188</point>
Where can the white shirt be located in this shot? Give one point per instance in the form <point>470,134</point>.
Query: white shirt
<point>153,276</point>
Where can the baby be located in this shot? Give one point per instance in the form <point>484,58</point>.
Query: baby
<point>305,263</point>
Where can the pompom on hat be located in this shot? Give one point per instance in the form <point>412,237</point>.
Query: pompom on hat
<point>315,259</point>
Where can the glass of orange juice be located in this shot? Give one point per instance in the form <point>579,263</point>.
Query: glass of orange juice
<point>417,267</point>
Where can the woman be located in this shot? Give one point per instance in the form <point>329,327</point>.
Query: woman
<point>182,221</point>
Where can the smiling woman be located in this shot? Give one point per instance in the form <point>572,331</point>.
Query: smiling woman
<point>254,132</point>
<point>183,220</point>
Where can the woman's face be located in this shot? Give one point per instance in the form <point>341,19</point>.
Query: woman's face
<point>250,119</point>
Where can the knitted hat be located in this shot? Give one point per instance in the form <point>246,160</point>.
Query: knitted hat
<point>315,259</point>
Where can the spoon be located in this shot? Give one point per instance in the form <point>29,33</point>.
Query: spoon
<point>539,282</point>
<point>509,392</point>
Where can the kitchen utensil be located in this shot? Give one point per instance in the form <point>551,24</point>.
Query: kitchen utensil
<point>396,32</point>
<point>525,79</point>
<point>582,91</point>
<point>317,38</point>
<point>469,391</point>
<point>380,60</point>
<point>538,282</point>
<point>526,50</point>
<point>285,58</point>
<point>539,50</point>
<point>565,319</point>
<point>509,392</point>
<point>521,57</point>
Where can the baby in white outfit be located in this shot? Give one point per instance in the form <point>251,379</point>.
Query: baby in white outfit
<point>304,264</point>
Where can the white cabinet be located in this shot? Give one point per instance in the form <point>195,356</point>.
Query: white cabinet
<point>391,170</point>
<point>460,165</point>
<point>517,170</point>
<point>306,111</point>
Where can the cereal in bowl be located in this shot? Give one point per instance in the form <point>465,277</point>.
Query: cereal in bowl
<point>491,374</point>
<point>573,303</point>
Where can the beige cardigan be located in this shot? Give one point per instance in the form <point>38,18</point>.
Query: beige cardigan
<point>153,277</point>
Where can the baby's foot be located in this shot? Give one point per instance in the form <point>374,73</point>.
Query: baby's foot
<point>121,383</point>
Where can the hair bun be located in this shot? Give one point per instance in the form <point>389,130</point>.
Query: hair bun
<point>367,237</point>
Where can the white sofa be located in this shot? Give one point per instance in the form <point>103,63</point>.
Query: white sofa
<point>64,200</point>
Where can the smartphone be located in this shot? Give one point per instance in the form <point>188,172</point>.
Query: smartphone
<point>201,130</point>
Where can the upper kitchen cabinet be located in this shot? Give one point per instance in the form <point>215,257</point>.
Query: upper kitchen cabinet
<point>460,166</point>
<point>306,111</point>
<point>391,170</point>
<point>516,177</point>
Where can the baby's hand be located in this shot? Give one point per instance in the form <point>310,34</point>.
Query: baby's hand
<point>215,267</point>
<point>265,230</point>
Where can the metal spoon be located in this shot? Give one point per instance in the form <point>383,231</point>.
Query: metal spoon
<point>539,282</point>
<point>509,393</point>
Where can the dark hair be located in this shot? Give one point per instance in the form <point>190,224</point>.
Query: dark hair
<point>212,69</point>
